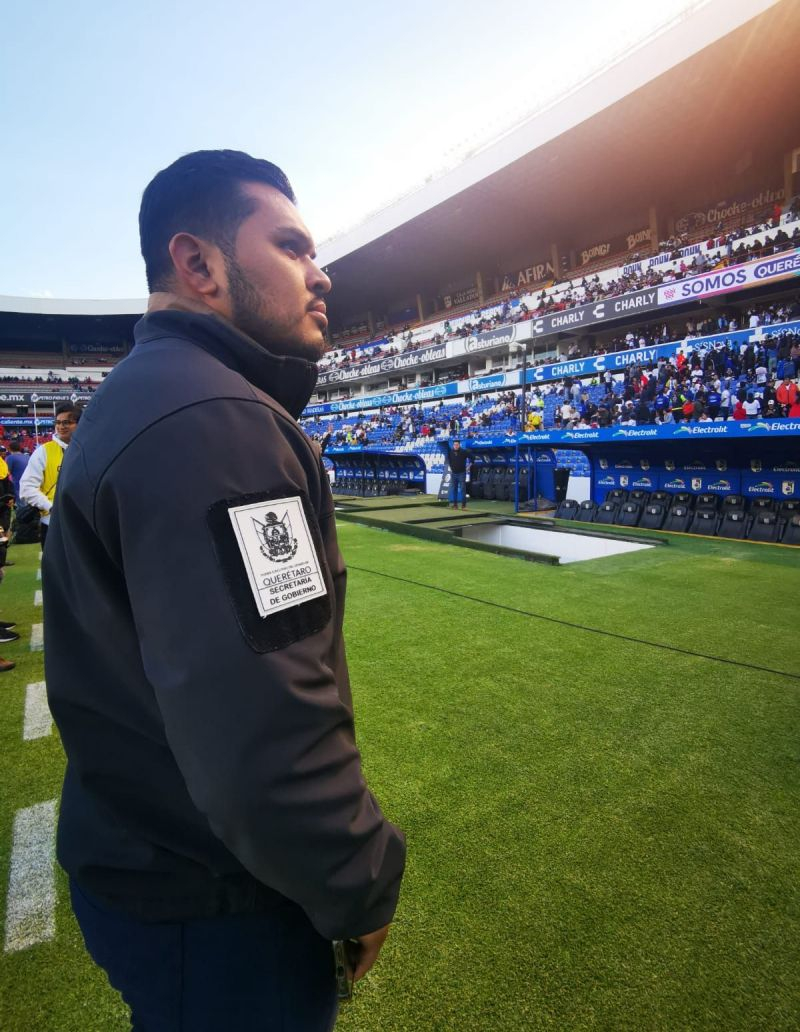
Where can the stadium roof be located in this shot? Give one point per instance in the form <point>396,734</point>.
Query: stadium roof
<point>664,124</point>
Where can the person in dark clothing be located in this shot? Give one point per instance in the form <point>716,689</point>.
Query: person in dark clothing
<point>458,459</point>
<point>17,463</point>
<point>642,413</point>
<point>214,822</point>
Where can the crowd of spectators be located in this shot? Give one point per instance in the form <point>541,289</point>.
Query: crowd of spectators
<point>54,380</point>
<point>763,239</point>
<point>730,382</point>
<point>708,382</point>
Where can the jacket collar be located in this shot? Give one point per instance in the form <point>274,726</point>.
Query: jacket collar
<point>289,380</point>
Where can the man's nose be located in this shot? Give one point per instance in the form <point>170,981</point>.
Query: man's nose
<point>317,280</point>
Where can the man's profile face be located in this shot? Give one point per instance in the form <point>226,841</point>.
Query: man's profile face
<point>275,288</point>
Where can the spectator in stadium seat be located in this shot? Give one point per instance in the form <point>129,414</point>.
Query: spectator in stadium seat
<point>664,416</point>
<point>786,394</point>
<point>214,821</point>
<point>752,406</point>
<point>38,483</point>
<point>724,403</point>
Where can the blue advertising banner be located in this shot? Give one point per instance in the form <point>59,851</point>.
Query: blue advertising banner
<point>443,390</point>
<point>695,477</point>
<point>730,430</point>
<point>26,421</point>
<point>700,482</point>
<point>770,485</point>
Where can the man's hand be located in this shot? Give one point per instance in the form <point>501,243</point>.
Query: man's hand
<point>370,947</point>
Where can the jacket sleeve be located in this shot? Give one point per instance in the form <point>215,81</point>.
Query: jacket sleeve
<point>31,482</point>
<point>264,740</point>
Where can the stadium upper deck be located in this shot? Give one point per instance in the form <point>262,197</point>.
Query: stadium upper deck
<point>709,109</point>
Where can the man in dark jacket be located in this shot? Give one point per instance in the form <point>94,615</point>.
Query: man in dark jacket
<point>215,822</point>
<point>457,459</point>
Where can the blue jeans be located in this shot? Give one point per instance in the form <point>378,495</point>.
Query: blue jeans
<point>239,973</point>
<point>458,482</point>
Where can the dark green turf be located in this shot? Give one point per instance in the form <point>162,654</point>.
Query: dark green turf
<point>602,834</point>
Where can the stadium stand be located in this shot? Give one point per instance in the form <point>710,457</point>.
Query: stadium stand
<point>606,282</point>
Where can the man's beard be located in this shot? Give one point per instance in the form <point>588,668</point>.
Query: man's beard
<point>246,315</point>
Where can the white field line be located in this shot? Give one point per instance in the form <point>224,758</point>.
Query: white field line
<point>39,573</point>
<point>37,637</point>
<point>38,722</point>
<point>37,598</point>
<point>31,900</point>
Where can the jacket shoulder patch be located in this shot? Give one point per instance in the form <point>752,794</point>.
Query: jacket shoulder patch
<point>271,556</point>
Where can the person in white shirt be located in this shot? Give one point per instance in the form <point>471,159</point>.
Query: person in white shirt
<point>37,485</point>
<point>752,406</point>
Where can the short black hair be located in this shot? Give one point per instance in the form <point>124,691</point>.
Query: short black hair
<point>66,408</point>
<point>200,193</point>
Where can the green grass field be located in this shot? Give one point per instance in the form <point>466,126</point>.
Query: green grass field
<point>602,833</point>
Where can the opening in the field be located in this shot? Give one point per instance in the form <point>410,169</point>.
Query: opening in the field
<point>568,547</point>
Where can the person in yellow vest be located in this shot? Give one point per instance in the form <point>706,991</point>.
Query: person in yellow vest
<point>38,484</point>
<point>6,495</point>
<point>534,421</point>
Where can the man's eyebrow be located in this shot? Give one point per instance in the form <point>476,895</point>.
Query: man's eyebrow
<point>295,233</point>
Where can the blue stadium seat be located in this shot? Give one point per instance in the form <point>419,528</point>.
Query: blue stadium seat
<point>791,533</point>
<point>707,502</point>
<point>765,527</point>
<point>678,518</point>
<point>629,514</point>
<point>567,510</point>
<point>653,516</point>
<point>732,503</point>
<point>789,509</point>
<point>683,499</point>
<point>733,524</point>
<point>587,511</point>
<point>606,513</point>
<point>704,521</point>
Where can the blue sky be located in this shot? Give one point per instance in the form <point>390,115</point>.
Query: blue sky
<point>356,101</point>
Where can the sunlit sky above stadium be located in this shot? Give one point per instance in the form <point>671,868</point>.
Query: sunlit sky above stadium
<point>358,102</point>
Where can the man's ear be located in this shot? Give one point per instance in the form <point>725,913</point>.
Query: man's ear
<point>199,267</point>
